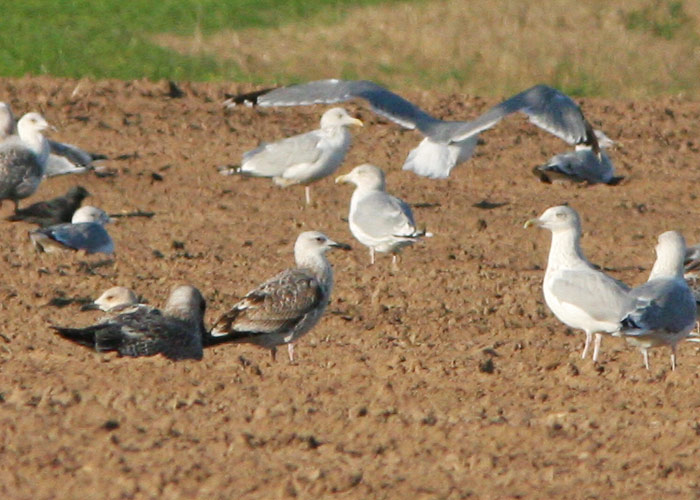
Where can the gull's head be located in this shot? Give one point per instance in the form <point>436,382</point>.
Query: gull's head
<point>338,117</point>
<point>559,218</point>
<point>90,214</point>
<point>31,123</point>
<point>114,298</point>
<point>366,176</point>
<point>187,303</point>
<point>315,243</point>
<point>670,255</point>
<point>77,193</point>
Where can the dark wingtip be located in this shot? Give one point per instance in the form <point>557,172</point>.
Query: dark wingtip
<point>615,180</point>
<point>541,175</point>
<point>247,99</point>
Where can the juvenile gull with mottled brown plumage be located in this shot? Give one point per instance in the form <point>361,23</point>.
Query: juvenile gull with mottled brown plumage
<point>285,307</point>
<point>143,331</point>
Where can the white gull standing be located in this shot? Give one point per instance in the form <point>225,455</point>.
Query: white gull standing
<point>285,307</point>
<point>378,220</point>
<point>301,159</point>
<point>446,143</point>
<point>664,309</point>
<point>144,331</point>
<point>85,232</point>
<point>578,294</point>
<point>23,159</point>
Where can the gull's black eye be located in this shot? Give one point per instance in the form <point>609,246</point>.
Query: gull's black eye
<point>561,215</point>
<point>320,239</point>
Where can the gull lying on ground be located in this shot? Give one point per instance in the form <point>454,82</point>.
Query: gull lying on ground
<point>378,220</point>
<point>23,159</point>
<point>85,232</point>
<point>664,309</point>
<point>285,307</point>
<point>63,158</point>
<point>579,295</point>
<point>301,159</point>
<point>54,211</point>
<point>581,165</point>
<point>446,143</point>
<point>144,331</point>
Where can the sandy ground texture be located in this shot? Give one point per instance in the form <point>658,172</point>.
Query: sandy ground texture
<point>449,379</point>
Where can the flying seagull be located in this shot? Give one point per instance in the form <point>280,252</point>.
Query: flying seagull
<point>446,143</point>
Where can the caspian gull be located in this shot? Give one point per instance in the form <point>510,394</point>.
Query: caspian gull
<point>578,294</point>
<point>301,159</point>
<point>116,298</point>
<point>176,332</point>
<point>446,143</point>
<point>54,211</point>
<point>85,232</point>
<point>378,220</point>
<point>664,309</point>
<point>285,307</point>
<point>23,159</point>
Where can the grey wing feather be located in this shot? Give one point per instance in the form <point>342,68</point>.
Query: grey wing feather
<point>71,153</point>
<point>602,297</point>
<point>381,100</point>
<point>380,215</point>
<point>18,164</point>
<point>546,107</point>
<point>662,304</point>
<point>88,236</point>
<point>276,305</point>
<point>274,158</point>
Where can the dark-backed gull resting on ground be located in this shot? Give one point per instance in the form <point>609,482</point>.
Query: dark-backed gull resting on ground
<point>144,331</point>
<point>378,220</point>
<point>578,294</point>
<point>664,309</point>
<point>23,159</point>
<point>301,159</point>
<point>85,232</point>
<point>446,143</point>
<point>285,307</point>
<point>54,211</point>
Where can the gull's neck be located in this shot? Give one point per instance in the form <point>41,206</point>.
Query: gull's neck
<point>565,251</point>
<point>317,263</point>
<point>668,265</point>
<point>35,140</point>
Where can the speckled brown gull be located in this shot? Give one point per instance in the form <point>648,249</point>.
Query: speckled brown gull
<point>176,332</point>
<point>85,232</point>
<point>285,307</point>
<point>378,220</point>
<point>301,159</point>
<point>664,309</point>
<point>578,294</point>
<point>446,143</point>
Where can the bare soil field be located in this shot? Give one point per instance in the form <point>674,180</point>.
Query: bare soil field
<point>448,379</point>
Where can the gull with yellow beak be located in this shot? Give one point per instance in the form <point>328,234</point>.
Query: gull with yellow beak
<point>378,220</point>
<point>578,294</point>
<point>301,159</point>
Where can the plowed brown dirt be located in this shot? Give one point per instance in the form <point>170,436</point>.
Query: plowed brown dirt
<point>393,394</point>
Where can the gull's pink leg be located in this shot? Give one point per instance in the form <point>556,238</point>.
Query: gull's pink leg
<point>596,346</point>
<point>587,345</point>
<point>290,351</point>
